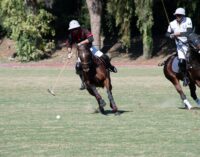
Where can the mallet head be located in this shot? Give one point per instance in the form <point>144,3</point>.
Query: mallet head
<point>51,92</point>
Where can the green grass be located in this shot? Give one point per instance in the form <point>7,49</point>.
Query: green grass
<point>152,125</point>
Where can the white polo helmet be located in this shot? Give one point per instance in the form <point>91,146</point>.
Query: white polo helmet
<point>180,11</point>
<point>73,24</point>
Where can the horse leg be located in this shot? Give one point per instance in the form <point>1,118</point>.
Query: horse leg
<point>193,92</point>
<point>182,95</point>
<point>108,86</point>
<point>93,91</point>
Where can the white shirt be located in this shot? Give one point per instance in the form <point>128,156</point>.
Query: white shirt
<point>174,27</point>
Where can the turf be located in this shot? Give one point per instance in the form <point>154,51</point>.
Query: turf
<point>152,122</point>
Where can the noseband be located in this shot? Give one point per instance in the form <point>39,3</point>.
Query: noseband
<point>86,66</point>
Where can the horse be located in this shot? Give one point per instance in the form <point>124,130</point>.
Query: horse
<point>95,75</point>
<point>193,69</point>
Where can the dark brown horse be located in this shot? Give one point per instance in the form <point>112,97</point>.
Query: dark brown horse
<point>193,69</point>
<point>95,75</point>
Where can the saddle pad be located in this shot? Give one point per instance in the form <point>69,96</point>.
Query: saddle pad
<point>175,66</point>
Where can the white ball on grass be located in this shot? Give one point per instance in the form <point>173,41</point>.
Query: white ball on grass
<point>58,117</point>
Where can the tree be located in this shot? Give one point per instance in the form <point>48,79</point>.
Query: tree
<point>192,10</point>
<point>27,24</point>
<point>145,22</point>
<point>122,10</point>
<point>95,10</point>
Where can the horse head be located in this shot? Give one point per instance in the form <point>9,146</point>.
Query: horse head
<point>194,55</point>
<point>85,57</point>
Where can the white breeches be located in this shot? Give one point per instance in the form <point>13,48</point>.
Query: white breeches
<point>182,50</point>
<point>95,52</point>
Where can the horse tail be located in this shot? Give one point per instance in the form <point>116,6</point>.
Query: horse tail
<point>165,61</point>
<point>162,63</point>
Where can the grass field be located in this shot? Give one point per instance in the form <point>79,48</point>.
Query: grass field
<point>152,123</point>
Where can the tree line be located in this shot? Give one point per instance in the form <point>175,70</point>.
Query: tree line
<point>36,25</point>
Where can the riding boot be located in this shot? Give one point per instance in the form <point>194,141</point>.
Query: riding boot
<point>108,64</point>
<point>183,71</point>
<point>78,68</point>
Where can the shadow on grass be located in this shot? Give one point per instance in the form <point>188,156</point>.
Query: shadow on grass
<point>109,112</point>
<point>193,108</point>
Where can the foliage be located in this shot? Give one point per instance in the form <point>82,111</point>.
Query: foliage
<point>122,14</point>
<point>192,10</point>
<point>144,23</point>
<point>27,28</point>
<point>84,17</point>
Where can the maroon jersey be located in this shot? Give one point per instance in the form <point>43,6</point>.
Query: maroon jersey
<point>78,35</point>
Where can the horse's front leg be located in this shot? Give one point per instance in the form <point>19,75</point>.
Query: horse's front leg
<point>193,92</point>
<point>182,95</point>
<point>110,96</point>
<point>93,91</point>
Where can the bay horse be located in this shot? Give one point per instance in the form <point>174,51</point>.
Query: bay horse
<point>193,69</point>
<point>95,75</point>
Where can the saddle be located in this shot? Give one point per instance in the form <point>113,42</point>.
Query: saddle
<point>175,64</point>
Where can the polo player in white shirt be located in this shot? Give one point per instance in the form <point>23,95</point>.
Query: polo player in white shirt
<point>179,29</point>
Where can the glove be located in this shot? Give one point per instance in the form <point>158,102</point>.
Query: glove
<point>79,44</point>
<point>172,36</point>
<point>69,55</point>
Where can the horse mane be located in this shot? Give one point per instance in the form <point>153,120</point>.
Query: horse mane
<point>194,56</point>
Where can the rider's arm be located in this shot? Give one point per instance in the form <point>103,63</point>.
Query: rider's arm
<point>86,41</point>
<point>170,32</point>
<point>189,30</point>
<point>89,37</point>
<point>167,34</point>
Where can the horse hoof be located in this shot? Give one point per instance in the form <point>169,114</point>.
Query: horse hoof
<point>101,109</point>
<point>188,107</point>
<point>187,104</point>
<point>114,108</point>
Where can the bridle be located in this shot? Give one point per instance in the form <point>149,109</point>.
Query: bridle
<point>86,65</point>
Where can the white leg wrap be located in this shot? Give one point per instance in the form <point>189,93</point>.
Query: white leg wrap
<point>186,102</point>
<point>98,53</point>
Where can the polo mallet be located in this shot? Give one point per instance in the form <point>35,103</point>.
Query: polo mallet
<point>51,90</point>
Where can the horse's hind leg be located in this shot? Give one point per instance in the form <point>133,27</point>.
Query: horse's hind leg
<point>93,91</point>
<point>110,96</point>
<point>193,92</point>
